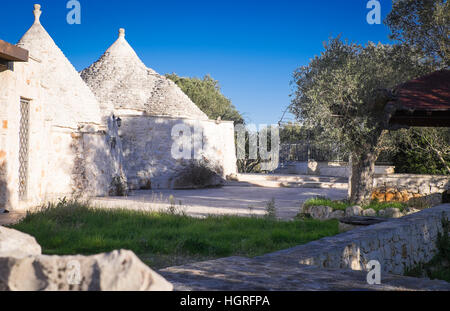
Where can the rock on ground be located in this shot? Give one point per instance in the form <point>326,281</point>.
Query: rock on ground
<point>369,212</point>
<point>115,271</point>
<point>17,244</point>
<point>320,212</point>
<point>393,213</point>
<point>338,214</point>
<point>353,211</point>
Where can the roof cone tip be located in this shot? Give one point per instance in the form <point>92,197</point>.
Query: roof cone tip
<point>37,13</point>
<point>121,33</point>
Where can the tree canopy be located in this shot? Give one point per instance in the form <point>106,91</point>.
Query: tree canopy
<point>423,24</point>
<point>343,92</point>
<point>206,94</point>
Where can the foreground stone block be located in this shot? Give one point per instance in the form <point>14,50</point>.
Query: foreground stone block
<point>115,271</point>
<point>17,244</point>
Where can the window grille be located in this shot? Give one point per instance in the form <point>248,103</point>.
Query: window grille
<point>23,147</point>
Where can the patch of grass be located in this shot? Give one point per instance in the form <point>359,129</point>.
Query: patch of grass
<point>320,201</point>
<point>71,228</point>
<point>378,206</point>
<point>343,204</point>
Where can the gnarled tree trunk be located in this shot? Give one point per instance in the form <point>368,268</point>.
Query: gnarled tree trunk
<point>362,166</point>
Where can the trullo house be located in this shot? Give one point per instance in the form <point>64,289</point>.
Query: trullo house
<point>61,136</point>
<point>152,108</point>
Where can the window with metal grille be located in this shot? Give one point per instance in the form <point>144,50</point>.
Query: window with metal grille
<point>23,147</point>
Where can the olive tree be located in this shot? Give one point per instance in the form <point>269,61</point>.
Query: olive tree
<point>343,92</point>
<point>206,94</point>
<point>423,24</point>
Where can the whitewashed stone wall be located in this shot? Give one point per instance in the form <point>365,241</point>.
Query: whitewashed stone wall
<point>23,82</point>
<point>397,244</point>
<point>53,151</point>
<point>100,160</point>
<point>147,144</point>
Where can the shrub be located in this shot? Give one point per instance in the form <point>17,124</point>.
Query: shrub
<point>118,187</point>
<point>199,174</point>
<point>271,211</point>
<point>343,204</point>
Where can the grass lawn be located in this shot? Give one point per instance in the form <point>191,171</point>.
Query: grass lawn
<point>342,205</point>
<point>164,239</point>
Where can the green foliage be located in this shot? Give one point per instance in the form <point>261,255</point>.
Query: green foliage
<point>271,211</point>
<point>342,94</point>
<point>410,161</point>
<point>423,151</point>
<point>339,92</point>
<point>73,228</point>
<point>173,208</point>
<point>344,204</point>
<point>423,24</point>
<point>207,96</point>
<point>378,206</point>
<point>321,201</point>
<point>292,133</point>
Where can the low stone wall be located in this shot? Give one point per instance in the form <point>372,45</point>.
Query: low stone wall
<point>397,244</point>
<point>415,184</point>
<point>333,169</point>
<point>422,189</point>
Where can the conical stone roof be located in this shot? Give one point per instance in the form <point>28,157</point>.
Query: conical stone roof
<point>68,101</point>
<point>122,82</point>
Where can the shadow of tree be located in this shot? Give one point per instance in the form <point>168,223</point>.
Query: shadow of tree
<point>148,150</point>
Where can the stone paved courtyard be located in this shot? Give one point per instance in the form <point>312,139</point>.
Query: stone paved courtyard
<point>269,274</point>
<point>228,200</point>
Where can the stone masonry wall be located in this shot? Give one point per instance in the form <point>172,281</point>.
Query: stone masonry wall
<point>147,145</point>
<point>397,244</point>
<point>420,184</point>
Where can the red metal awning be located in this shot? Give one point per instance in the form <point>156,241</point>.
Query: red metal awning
<point>422,102</point>
<point>12,53</point>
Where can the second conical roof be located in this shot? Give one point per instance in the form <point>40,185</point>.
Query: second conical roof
<point>121,81</point>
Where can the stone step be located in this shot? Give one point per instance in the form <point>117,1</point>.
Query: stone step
<point>289,181</point>
<point>289,178</point>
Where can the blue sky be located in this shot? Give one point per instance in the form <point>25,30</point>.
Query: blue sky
<point>251,47</point>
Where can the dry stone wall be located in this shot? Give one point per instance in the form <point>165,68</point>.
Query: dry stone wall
<point>415,184</point>
<point>397,244</point>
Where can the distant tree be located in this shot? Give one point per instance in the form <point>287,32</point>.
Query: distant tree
<point>293,133</point>
<point>205,93</point>
<point>423,24</point>
<point>343,92</point>
<point>424,151</point>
